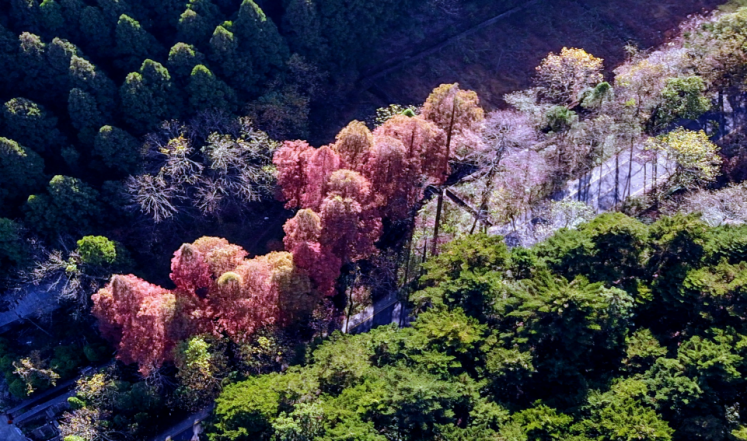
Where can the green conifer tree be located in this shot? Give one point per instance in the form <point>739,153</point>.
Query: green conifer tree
<point>303,30</point>
<point>233,65</point>
<point>133,44</point>
<point>148,97</point>
<point>206,91</point>
<point>182,59</point>
<point>197,22</point>
<point>8,59</point>
<point>260,40</point>
<point>85,114</point>
<point>97,33</point>
<point>69,206</point>
<point>117,149</point>
<point>22,170</point>
<point>30,124</point>
<point>87,77</point>
<point>52,19</point>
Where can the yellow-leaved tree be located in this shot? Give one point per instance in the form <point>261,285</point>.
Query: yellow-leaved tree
<point>563,77</point>
<point>692,158</point>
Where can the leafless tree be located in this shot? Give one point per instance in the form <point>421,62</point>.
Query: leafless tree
<point>231,166</point>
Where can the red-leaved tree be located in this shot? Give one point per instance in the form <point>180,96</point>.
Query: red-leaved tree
<point>302,235</point>
<point>353,144</point>
<point>348,229</point>
<point>322,163</point>
<point>137,316</point>
<point>424,142</point>
<point>217,291</point>
<point>291,161</point>
<point>391,174</point>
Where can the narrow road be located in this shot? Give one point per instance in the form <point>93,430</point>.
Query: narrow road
<point>603,189</point>
<point>616,180</point>
<point>32,300</point>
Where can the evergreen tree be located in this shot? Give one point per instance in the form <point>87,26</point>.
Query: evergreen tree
<point>148,97</point>
<point>112,10</point>
<point>206,91</point>
<point>234,65</point>
<point>69,206</point>
<point>162,12</point>
<point>32,64</point>
<point>303,30</point>
<point>31,125</point>
<point>22,171</point>
<point>88,78</point>
<point>182,60</point>
<point>117,149</point>
<point>260,41</point>
<point>98,34</point>
<point>85,115</point>
<point>12,248</point>
<point>52,19</point>
<point>8,58</point>
<point>197,22</point>
<point>133,44</point>
<point>25,15</point>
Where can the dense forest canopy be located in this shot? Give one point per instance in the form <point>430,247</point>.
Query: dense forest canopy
<point>178,235</point>
<point>616,330</point>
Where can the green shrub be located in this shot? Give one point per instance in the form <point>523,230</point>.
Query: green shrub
<point>18,389</point>
<point>75,403</point>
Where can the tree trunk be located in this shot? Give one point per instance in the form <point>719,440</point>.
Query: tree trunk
<point>599,186</point>
<point>721,116</point>
<point>449,134</point>
<point>439,208</point>
<point>617,178</point>
<point>350,300</point>
<point>422,260</point>
<point>630,170</point>
<point>654,184</point>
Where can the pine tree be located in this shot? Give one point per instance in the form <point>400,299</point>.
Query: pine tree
<point>88,78</point>
<point>234,65</point>
<point>69,206</point>
<point>117,149</point>
<point>197,22</point>
<point>97,33</point>
<point>31,125</point>
<point>36,77</point>
<point>8,58</point>
<point>22,170</point>
<point>52,19</point>
<point>85,114</point>
<point>148,97</point>
<point>25,14</point>
<point>206,91</point>
<point>303,30</point>
<point>260,40</point>
<point>133,44</point>
<point>182,60</point>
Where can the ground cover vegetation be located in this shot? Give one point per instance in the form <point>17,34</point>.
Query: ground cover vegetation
<point>116,151</point>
